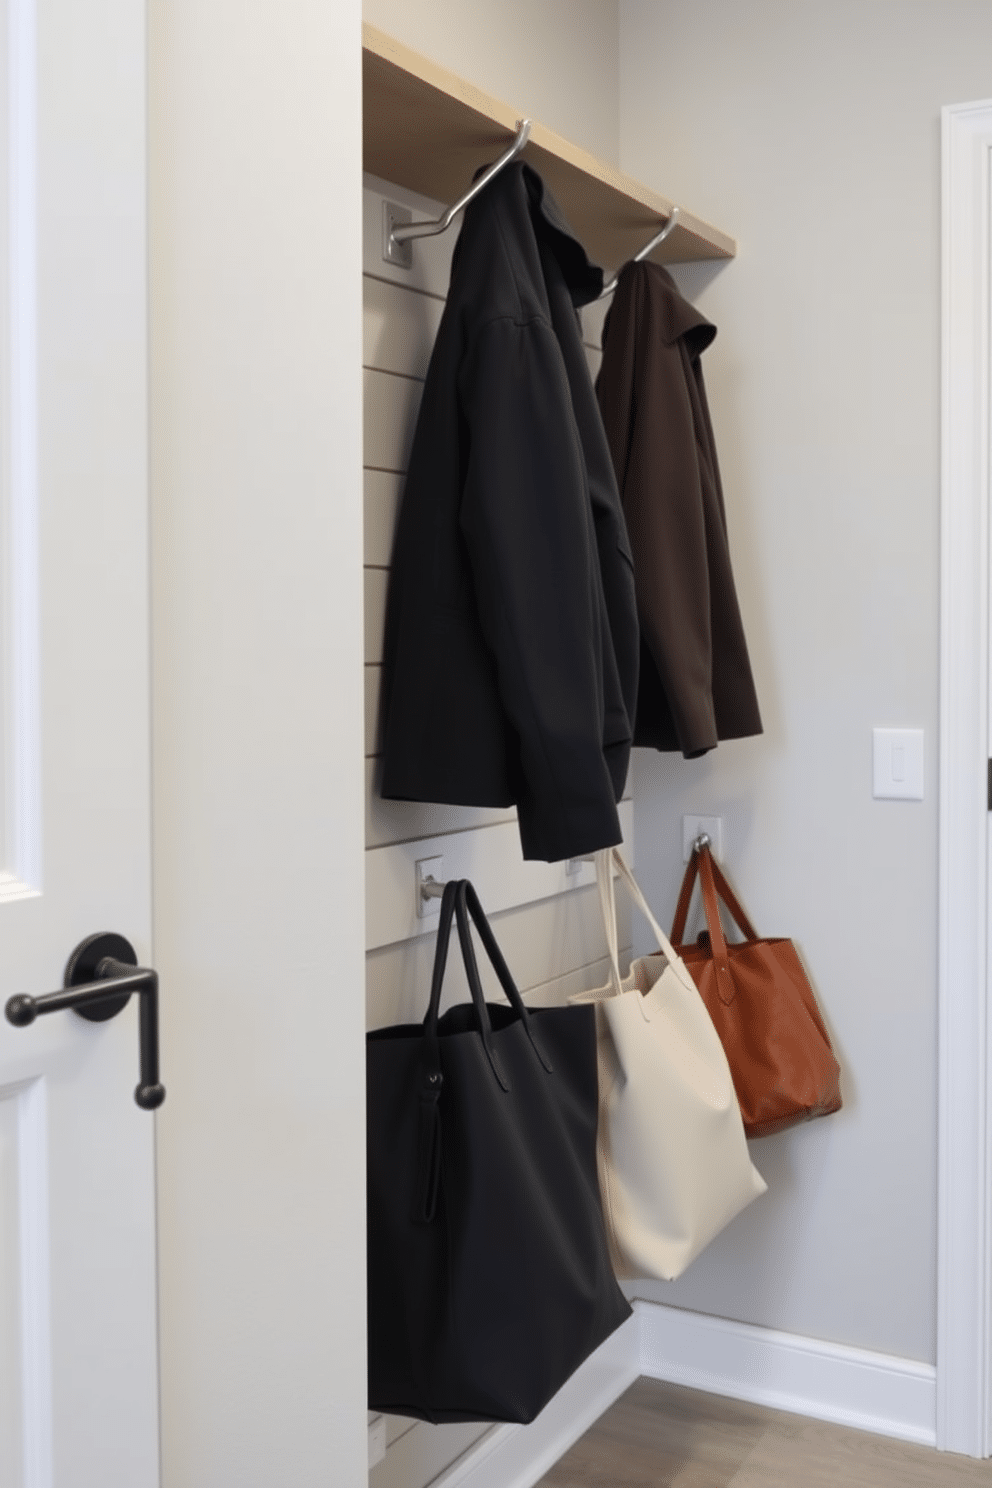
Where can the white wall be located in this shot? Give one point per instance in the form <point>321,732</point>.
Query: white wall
<point>258,904</point>
<point>811,133</point>
<point>556,60</point>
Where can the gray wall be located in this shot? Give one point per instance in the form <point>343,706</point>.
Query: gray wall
<point>556,60</point>
<point>812,134</point>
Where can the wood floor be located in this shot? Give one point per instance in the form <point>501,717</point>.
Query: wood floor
<point>659,1435</point>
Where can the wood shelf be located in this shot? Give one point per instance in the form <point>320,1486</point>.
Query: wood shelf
<point>428,130</point>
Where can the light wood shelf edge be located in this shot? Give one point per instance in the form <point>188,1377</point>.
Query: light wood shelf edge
<point>427,129</point>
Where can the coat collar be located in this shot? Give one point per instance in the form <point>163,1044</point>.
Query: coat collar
<point>675,318</point>
<point>524,205</point>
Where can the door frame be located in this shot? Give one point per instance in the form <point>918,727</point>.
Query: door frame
<point>964,1184</point>
<point>20,809</point>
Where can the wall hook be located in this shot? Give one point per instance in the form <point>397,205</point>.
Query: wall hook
<point>403,232</point>
<point>648,248</point>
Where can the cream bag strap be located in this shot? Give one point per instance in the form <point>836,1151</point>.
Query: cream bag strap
<point>673,1164</point>
<point>608,905</point>
<point>608,859</point>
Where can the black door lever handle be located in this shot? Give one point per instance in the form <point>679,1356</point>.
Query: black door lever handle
<point>100,976</point>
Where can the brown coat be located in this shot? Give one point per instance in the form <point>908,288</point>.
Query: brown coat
<point>695,676</point>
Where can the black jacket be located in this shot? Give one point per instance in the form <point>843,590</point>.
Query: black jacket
<point>510,663</point>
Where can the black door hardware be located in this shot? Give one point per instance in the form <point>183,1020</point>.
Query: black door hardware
<point>100,976</point>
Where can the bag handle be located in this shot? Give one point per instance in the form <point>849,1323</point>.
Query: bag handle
<point>722,887</point>
<point>458,901</point>
<point>431,1044</point>
<point>468,900</point>
<point>606,860</point>
<point>710,880</point>
<point>608,905</point>
<point>453,904</point>
<point>427,1179</point>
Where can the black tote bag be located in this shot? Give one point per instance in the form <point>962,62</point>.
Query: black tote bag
<point>489,1279</point>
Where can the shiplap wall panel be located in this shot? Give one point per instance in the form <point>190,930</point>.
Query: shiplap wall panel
<point>373,685</point>
<point>376,584</point>
<point>392,403</point>
<point>547,921</point>
<point>408,821</point>
<point>417,1456</point>
<point>430,269</point>
<point>383,489</point>
<point>543,943</point>
<point>489,856</point>
<point>583,979</point>
<point>408,1003</point>
<point>399,327</point>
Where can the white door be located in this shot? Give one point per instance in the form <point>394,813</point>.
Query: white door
<point>78,1392</point>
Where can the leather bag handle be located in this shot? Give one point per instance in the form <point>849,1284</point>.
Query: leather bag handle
<point>712,881</point>
<point>606,860</point>
<point>431,1045</point>
<point>468,900</point>
<point>722,887</point>
<point>608,905</point>
<point>718,942</point>
<point>634,889</point>
<point>459,901</point>
<point>427,1180</point>
<point>475,986</point>
<point>453,905</point>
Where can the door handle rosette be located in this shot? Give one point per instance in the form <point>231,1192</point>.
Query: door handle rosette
<point>100,976</point>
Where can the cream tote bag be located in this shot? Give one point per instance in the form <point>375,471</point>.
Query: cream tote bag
<point>674,1167</point>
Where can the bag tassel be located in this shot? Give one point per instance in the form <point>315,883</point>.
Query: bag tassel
<point>425,1189</point>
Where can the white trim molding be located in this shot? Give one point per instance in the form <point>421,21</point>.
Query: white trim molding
<point>964,1325</point>
<point>828,1381</point>
<point>517,1456</point>
<point>20,662</point>
<point>808,1376</point>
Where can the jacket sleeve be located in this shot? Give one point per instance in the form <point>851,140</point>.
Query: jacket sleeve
<point>527,524</point>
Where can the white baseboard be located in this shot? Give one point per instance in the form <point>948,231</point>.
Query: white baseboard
<point>517,1456</point>
<point>828,1381</point>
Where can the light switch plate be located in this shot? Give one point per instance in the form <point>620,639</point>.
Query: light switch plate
<point>897,764</point>
<point>692,826</point>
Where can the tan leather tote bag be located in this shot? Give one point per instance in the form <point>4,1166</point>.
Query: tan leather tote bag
<point>674,1167</point>
<point>763,1008</point>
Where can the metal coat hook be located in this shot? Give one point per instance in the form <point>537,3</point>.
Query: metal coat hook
<point>403,232</point>
<point>430,888</point>
<point>648,248</point>
<point>703,840</point>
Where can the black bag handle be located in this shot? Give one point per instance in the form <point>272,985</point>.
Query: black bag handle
<point>453,903</point>
<point>433,1052</point>
<point>427,1180</point>
<point>475,982</point>
<point>459,900</point>
<point>470,899</point>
